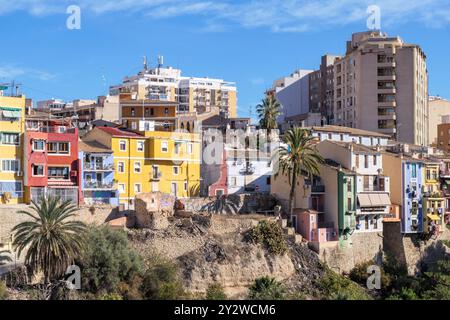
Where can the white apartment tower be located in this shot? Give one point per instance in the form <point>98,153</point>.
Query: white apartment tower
<point>381,85</point>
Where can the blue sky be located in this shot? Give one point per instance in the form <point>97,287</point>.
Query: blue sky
<point>249,42</point>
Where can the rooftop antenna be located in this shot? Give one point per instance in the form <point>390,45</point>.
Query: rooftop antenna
<point>145,63</point>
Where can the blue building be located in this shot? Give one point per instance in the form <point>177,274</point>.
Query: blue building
<point>412,213</point>
<point>97,174</point>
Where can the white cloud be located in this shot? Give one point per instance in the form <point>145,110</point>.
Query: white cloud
<point>277,15</point>
<point>12,72</point>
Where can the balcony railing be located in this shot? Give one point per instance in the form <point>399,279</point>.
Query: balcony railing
<point>247,170</point>
<point>99,185</point>
<point>98,167</point>
<point>53,129</point>
<point>433,195</point>
<point>317,189</point>
<point>156,176</point>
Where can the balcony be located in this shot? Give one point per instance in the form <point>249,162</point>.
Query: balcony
<point>433,195</point>
<point>387,103</point>
<point>99,185</point>
<point>55,130</point>
<point>247,170</point>
<point>98,167</point>
<point>444,173</point>
<point>317,189</point>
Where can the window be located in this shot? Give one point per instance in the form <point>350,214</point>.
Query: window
<point>133,112</point>
<point>121,188</point>
<point>349,204</point>
<point>357,160</point>
<point>366,161</point>
<point>176,170</point>
<point>375,160</point>
<point>164,146</point>
<point>38,145</point>
<point>177,147</point>
<point>428,175</point>
<point>189,148</point>
<point>414,170</point>
<point>10,138</point>
<point>37,170</point>
<point>268,181</point>
<point>121,167</point>
<point>152,111</point>
<point>134,125</point>
<point>137,167</point>
<point>185,186</point>
<point>166,111</point>
<point>122,145</point>
<point>58,147</point>
<point>233,181</point>
<point>10,165</point>
<point>140,146</point>
<point>58,173</point>
<point>137,188</point>
<point>342,137</point>
<point>349,185</point>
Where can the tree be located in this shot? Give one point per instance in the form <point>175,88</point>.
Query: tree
<point>110,265</point>
<point>51,239</point>
<point>266,288</point>
<point>298,157</point>
<point>268,111</point>
<point>161,282</point>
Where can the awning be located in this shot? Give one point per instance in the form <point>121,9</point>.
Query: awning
<point>433,217</point>
<point>10,109</point>
<point>367,200</point>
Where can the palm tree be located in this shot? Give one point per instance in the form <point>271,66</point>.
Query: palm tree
<point>51,239</point>
<point>268,111</point>
<point>298,157</point>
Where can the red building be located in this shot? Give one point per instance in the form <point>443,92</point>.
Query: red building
<point>51,164</point>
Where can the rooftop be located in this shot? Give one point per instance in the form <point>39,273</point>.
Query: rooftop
<point>93,147</point>
<point>353,131</point>
<point>116,132</point>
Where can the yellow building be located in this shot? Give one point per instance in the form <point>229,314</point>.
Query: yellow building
<point>433,202</point>
<point>12,125</point>
<point>168,162</point>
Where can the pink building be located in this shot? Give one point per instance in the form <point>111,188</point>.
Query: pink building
<point>308,225</point>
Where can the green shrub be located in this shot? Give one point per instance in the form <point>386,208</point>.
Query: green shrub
<point>161,282</point>
<point>216,292</point>
<point>269,234</point>
<point>266,288</point>
<point>360,275</point>
<point>3,291</point>
<point>404,294</point>
<point>337,287</point>
<point>110,265</point>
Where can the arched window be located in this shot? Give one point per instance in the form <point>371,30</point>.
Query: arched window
<point>188,127</point>
<point>182,126</point>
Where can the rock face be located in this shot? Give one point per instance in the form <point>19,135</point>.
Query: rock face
<point>215,248</point>
<point>152,210</point>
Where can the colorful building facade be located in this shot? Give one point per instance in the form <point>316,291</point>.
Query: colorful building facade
<point>12,116</point>
<point>154,161</point>
<point>52,166</point>
<point>97,174</point>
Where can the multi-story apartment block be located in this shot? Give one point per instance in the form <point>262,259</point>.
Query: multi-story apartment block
<point>444,176</point>
<point>97,174</point>
<point>198,95</point>
<point>151,161</point>
<point>381,84</point>
<point>321,89</point>
<point>12,115</point>
<point>52,167</point>
<point>439,113</point>
<point>443,136</point>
